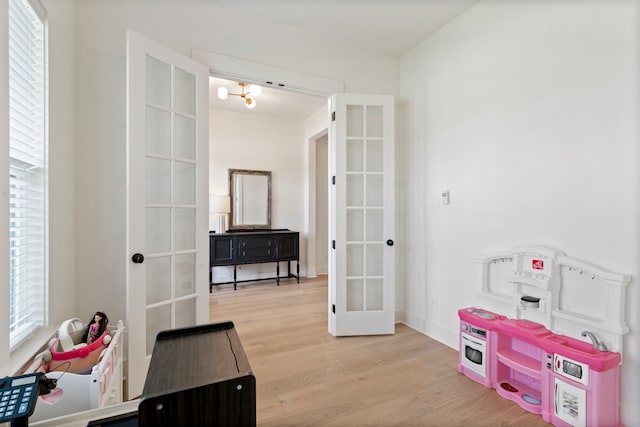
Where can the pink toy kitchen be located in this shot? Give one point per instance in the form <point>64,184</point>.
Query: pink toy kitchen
<point>538,341</point>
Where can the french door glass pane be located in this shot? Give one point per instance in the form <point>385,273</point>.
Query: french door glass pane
<point>355,155</point>
<point>355,255</point>
<point>185,227</point>
<point>374,225</point>
<point>158,230</point>
<point>355,221</point>
<point>355,190</point>
<point>374,259</point>
<point>158,181</point>
<point>185,313</point>
<point>185,188</point>
<point>158,83</point>
<point>374,121</point>
<point>375,295</point>
<point>355,121</point>
<point>355,295</point>
<point>185,92</point>
<point>158,279</point>
<point>158,132</point>
<point>158,319</point>
<point>185,138</point>
<point>185,274</point>
<point>374,155</point>
<point>374,190</point>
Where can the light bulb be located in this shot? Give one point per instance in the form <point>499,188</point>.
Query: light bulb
<point>223,93</point>
<point>249,102</point>
<point>255,90</point>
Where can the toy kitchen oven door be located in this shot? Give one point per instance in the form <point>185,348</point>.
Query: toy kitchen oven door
<point>477,344</point>
<point>473,357</point>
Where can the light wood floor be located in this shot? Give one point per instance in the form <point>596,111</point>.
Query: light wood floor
<point>307,377</point>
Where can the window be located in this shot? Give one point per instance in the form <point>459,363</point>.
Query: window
<point>28,219</point>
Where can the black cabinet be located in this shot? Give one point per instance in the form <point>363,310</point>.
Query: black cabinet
<point>254,247</point>
<point>198,376</point>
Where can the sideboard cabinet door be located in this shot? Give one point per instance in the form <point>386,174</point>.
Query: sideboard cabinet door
<point>221,250</point>
<point>288,247</point>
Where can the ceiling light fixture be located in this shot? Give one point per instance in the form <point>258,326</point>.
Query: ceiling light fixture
<point>249,92</point>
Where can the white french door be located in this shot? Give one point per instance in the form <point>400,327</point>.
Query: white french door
<point>361,220</point>
<point>167,198</point>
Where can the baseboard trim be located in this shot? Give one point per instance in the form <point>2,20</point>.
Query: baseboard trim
<point>429,328</point>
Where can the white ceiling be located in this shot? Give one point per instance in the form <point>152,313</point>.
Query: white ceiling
<point>388,26</point>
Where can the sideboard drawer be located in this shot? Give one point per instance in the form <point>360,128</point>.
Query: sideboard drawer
<point>256,249</point>
<point>255,255</point>
<point>256,242</point>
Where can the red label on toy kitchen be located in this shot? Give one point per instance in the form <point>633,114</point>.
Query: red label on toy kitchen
<point>537,264</point>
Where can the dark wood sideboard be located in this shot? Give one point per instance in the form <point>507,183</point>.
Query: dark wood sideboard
<point>254,247</point>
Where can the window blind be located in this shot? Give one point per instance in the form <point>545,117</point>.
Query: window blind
<point>27,170</point>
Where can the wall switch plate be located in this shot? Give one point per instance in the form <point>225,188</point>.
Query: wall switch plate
<point>445,197</point>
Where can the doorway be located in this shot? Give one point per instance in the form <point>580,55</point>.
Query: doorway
<point>322,205</point>
<point>281,135</point>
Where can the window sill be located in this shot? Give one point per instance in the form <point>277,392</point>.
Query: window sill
<point>26,351</point>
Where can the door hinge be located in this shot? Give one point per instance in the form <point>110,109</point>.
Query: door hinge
<point>333,244</point>
<point>333,308</point>
<point>333,180</point>
<point>333,116</point>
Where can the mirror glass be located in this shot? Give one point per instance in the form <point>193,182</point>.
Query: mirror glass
<point>250,193</point>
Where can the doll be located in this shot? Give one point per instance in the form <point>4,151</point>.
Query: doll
<point>96,327</point>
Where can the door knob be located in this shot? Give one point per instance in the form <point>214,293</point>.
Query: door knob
<point>389,242</point>
<point>137,258</point>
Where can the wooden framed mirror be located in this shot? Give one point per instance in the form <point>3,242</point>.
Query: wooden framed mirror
<point>250,192</point>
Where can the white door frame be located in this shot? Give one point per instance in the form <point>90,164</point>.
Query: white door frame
<point>312,209</point>
<point>254,72</point>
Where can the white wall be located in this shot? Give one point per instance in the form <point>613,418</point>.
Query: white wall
<point>527,112</point>
<point>62,168</point>
<point>242,141</point>
<point>100,112</point>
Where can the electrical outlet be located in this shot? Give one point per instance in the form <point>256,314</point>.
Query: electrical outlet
<point>434,303</point>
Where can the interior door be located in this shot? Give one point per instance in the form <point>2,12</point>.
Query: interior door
<point>167,198</point>
<point>361,219</point>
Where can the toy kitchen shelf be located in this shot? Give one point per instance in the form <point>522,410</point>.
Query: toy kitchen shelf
<point>533,352</point>
<point>542,371</point>
<point>519,369</point>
